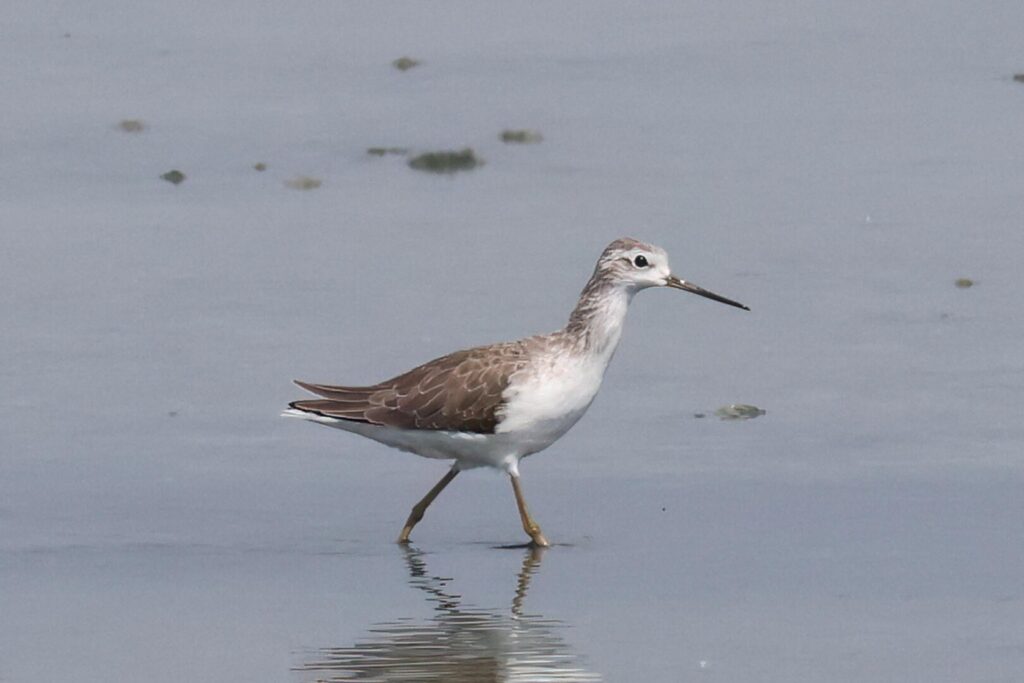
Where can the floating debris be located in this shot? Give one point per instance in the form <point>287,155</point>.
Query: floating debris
<point>964,282</point>
<point>699,416</point>
<point>260,166</point>
<point>383,151</point>
<point>739,411</point>
<point>131,126</point>
<point>405,63</point>
<point>1019,77</point>
<point>521,137</point>
<point>174,176</point>
<point>303,182</point>
<point>446,162</point>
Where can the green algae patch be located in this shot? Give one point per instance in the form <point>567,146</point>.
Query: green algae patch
<point>174,176</point>
<point>385,151</point>
<point>405,63</point>
<point>521,137</point>
<point>131,126</point>
<point>303,182</point>
<point>446,161</point>
<point>964,282</point>
<point>739,411</point>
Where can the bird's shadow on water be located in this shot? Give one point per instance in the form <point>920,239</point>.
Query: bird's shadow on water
<point>460,642</point>
<point>524,546</point>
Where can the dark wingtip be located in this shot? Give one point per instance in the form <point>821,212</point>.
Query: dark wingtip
<point>295,406</point>
<point>305,407</point>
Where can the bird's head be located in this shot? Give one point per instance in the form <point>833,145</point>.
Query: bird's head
<point>636,265</point>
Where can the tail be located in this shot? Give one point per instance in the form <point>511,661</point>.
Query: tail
<point>314,416</point>
<point>295,410</point>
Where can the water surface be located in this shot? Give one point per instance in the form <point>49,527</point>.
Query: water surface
<point>836,169</point>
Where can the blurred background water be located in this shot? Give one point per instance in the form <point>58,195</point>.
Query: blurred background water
<point>835,168</point>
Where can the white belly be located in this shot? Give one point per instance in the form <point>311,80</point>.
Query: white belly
<point>469,450</point>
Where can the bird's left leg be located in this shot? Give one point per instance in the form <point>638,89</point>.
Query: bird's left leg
<point>529,526</point>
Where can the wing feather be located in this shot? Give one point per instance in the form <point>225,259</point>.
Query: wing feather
<point>458,392</point>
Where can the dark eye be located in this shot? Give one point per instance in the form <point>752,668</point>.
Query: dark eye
<point>640,261</point>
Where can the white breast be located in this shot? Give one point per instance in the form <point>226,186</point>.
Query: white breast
<point>542,403</point>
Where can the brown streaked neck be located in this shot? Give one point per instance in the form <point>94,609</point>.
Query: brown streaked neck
<point>596,322</point>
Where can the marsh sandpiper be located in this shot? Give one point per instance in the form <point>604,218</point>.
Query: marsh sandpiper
<point>491,406</point>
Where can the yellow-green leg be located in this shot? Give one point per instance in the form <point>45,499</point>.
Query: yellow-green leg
<point>529,526</point>
<point>419,508</point>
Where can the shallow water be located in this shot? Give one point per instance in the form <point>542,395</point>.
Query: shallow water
<point>837,172</point>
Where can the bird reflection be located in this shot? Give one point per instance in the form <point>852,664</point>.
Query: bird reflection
<point>460,643</point>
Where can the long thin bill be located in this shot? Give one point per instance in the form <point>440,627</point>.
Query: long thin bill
<point>676,283</point>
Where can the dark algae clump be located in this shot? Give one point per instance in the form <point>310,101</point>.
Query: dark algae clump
<point>405,63</point>
<point>174,176</point>
<point>446,161</point>
<point>131,126</point>
<point>384,151</point>
<point>521,137</point>
<point>303,182</point>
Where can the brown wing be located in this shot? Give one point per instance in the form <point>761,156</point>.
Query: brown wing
<point>458,392</point>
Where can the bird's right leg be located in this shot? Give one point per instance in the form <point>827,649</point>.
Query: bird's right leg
<point>419,508</point>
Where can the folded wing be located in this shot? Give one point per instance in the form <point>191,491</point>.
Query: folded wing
<point>458,392</point>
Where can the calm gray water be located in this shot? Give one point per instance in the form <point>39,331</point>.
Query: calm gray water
<point>835,168</point>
